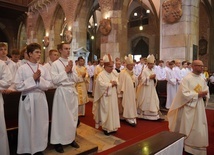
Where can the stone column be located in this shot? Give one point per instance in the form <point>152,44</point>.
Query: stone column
<point>115,43</point>
<point>177,39</point>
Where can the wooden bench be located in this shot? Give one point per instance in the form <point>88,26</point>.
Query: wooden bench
<point>161,89</point>
<point>11,107</point>
<point>152,145</point>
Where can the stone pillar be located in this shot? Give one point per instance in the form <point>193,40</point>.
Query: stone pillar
<point>177,39</point>
<point>116,42</point>
<point>79,35</point>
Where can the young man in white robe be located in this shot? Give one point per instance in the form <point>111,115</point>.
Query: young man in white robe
<point>65,103</point>
<point>32,79</point>
<point>53,56</point>
<point>177,71</point>
<point>99,68</point>
<point>141,66</point>
<point>105,107</point>
<point>91,74</point>
<point>23,56</point>
<point>5,81</point>
<point>11,65</point>
<point>147,98</point>
<point>81,85</point>
<point>172,85</point>
<point>184,70</point>
<point>187,114</point>
<point>127,92</point>
<point>160,71</point>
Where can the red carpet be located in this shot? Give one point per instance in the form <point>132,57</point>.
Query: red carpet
<point>144,129</point>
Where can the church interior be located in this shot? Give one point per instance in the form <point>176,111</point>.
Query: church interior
<point>118,27</point>
<point>168,29</point>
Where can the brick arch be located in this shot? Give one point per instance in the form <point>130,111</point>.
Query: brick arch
<point>22,36</point>
<point>140,46</point>
<point>57,24</point>
<point>4,35</point>
<point>80,25</point>
<point>39,35</point>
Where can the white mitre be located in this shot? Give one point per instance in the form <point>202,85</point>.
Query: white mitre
<point>107,58</point>
<point>150,58</point>
<point>129,59</point>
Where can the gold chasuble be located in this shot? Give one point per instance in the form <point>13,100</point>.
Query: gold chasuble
<point>81,88</point>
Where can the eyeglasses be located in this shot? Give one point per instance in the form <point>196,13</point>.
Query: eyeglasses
<point>199,65</point>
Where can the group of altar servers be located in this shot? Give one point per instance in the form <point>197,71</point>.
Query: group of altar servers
<point>121,92</point>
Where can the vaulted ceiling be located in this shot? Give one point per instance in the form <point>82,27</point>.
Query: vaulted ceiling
<point>13,9</point>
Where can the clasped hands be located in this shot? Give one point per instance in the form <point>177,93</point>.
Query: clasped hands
<point>69,67</point>
<point>36,75</point>
<point>114,83</point>
<point>152,76</point>
<point>202,94</point>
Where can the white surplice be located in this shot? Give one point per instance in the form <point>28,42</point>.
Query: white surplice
<point>48,65</point>
<point>105,105</point>
<point>187,114</point>
<point>178,74</point>
<point>33,108</point>
<point>5,81</point>
<point>147,98</point>
<point>160,73</point>
<point>13,68</point>
<point>171,87</point>
<point>65,104</point>
<point>90,70</point>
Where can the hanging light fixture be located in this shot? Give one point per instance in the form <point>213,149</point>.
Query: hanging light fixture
<point>141,27</point>
<point>141,17</point>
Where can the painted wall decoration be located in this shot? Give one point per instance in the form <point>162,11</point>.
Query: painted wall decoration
<point>105,26</point>
<point>172,10</point>
<point>46,41</point>
<point>203,46</point>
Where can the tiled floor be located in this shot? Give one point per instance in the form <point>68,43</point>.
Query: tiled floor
<point>92,138</point>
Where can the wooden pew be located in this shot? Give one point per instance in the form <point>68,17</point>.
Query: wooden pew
<point>11,107</point>
<point>161,89</point>
<point>164,141</point>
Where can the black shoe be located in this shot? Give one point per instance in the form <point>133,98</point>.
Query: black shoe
<point>39,153</point>
<point>59,148</point>
<point>106,132</point>
<point>78,122</point>
<point>74,144</point>
<point>187,153</point>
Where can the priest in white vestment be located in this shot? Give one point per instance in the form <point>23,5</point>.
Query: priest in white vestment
<point>32,79</point>
<point>105,105</point>
<point>65,103</point>
<point>5,81</point>
<point>127,92</point>
<point>187,114</point>
<point>147,98</point>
